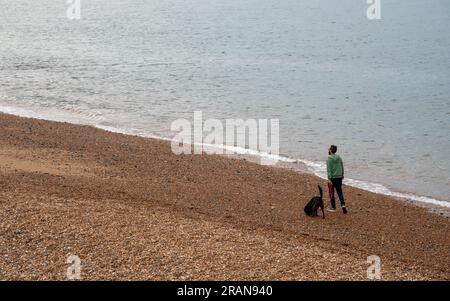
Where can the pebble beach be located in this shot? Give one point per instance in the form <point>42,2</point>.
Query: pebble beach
<point>130,209</point>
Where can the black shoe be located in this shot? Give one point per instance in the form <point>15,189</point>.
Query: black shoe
<point>344,210</point>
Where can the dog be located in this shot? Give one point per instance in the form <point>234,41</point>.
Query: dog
<point>314,204</point>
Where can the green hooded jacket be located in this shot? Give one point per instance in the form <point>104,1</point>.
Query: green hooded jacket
<point>335,167</point>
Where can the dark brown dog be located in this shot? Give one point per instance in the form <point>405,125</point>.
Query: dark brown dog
<point>314,204</point>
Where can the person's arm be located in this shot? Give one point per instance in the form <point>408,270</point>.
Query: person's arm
<point>328,169</point>
<point>342,166</point>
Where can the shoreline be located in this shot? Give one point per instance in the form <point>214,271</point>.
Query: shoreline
<point>428,202</point>
<point>131,209</point>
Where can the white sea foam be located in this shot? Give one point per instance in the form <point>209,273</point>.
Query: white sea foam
<point>20,112</point>
<point>317,168</point>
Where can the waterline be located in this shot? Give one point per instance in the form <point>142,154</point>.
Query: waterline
<point>317,168</point>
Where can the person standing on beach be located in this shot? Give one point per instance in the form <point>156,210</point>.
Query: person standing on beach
<point>335,173</point>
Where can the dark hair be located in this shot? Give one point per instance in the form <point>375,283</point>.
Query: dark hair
<point>333,149</point>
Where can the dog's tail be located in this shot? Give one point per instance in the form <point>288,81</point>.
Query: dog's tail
<point>320,190</point>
